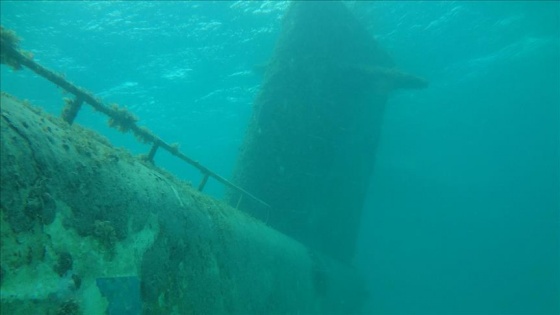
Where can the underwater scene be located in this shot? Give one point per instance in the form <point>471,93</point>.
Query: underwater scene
<point>280,157</point>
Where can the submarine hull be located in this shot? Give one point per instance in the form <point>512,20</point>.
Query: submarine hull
<point>87,228</point>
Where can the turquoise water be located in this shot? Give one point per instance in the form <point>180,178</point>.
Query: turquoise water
<point>463,211</point>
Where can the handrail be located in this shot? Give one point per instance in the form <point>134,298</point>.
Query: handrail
<point>120,118</point>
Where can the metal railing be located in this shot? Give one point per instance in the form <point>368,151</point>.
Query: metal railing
<point>119,117</point>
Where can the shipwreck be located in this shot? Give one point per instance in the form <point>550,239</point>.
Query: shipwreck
<point>87,228</point>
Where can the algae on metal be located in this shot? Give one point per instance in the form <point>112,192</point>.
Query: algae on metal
<point>10,40</point>
<point>76,212</point>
